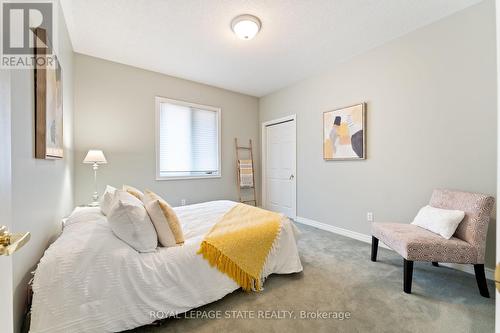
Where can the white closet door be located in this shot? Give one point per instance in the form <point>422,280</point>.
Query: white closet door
<point>280,168</point>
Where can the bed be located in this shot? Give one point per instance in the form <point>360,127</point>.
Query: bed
<point>89,280</point>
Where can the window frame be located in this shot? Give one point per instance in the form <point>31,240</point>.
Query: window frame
<point>158,101</point>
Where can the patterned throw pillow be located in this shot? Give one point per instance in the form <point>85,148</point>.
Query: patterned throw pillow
<point>135,192</point>
<point>165,220</point>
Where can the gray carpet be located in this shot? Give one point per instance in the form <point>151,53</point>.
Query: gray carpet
<point>339,277</point>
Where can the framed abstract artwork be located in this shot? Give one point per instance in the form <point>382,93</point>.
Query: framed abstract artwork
<point>48,102</point>
<point>344,134</point>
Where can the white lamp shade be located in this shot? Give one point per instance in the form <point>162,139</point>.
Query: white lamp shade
<point>95,156</point>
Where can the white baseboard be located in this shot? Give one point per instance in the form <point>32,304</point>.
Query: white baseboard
<point>490,273</point>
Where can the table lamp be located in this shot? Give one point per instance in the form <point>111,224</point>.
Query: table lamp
<point>95,157</point>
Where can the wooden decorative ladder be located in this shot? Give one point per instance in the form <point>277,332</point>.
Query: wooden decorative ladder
<point>239,152</point>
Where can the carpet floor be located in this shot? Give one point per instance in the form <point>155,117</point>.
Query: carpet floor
<point>340,281</point>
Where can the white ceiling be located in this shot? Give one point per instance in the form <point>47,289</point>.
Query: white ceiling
<point>192,39</point>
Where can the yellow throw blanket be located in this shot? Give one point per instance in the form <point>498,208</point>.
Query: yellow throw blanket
<point>239,244</point>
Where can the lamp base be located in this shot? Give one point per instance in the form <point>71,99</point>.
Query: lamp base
<point>95,199</point>
<point>94,204</point>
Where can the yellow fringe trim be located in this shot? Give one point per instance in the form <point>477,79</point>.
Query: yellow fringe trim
<point>217,259</point>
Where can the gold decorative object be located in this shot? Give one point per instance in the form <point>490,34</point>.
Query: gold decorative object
<point>497,277</point>
<point>10,243</point>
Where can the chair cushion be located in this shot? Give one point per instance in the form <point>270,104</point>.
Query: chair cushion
<point>417,244</point>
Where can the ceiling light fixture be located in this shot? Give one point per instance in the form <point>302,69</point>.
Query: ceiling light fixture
<point>246,26</point>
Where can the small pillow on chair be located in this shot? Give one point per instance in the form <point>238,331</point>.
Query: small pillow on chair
<point>107,199</point>
<point>440,221</point>
<point>135,192</point>
<point>165,220</point>
<point>130,222</point>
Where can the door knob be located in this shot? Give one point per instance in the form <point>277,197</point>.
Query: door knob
<point>10,243</point>
<point>291,177</point>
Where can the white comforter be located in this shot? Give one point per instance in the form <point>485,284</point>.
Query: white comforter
<point>90,281</point>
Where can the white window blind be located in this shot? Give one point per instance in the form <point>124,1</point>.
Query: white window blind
<point>188,140</point>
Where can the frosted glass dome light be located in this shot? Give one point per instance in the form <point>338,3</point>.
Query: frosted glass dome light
<point>246,26</point>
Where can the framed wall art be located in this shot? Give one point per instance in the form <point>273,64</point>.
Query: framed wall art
<point>48,101</point>
<point>344,134</point>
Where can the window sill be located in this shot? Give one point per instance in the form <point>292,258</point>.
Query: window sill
<point>158,178</point>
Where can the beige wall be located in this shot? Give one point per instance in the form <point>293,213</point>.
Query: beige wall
<point>115,112</point>
<point>42,190</point>
<point>431,123</point>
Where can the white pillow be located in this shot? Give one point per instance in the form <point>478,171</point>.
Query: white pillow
<point>107,199</point>
<point>440,221</point>
<point>130,222</point>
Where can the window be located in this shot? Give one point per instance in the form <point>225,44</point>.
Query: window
<point>187,140</point>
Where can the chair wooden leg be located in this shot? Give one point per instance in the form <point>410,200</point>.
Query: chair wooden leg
<point>374,248</point>
<point>435,264</point>
<point>481,280</point>
<point>407,275</point>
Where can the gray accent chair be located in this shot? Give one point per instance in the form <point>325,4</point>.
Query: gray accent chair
<point>466,246</point>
